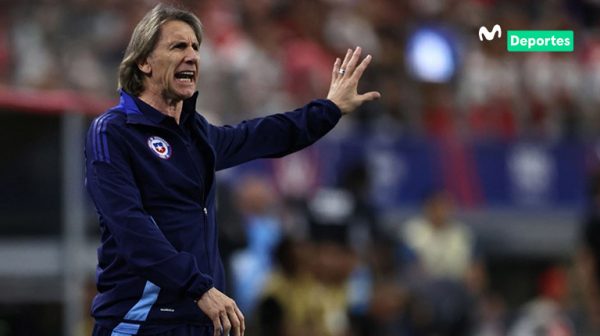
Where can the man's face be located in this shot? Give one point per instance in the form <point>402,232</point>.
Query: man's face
<point>172,67</point>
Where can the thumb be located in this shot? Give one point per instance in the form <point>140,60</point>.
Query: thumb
<point>372,95</point>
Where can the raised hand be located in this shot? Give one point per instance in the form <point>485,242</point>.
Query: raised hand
<point>344,82</point>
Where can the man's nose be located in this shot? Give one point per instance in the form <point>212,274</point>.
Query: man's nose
<point>191,55</point>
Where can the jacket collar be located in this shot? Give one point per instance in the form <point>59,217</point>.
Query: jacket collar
<point>151,117</point>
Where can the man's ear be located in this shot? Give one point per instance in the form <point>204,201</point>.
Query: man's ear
<point>144,66</point>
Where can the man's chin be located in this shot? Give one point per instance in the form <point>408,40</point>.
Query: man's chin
<point>181,94</point>
<point>187,94</point>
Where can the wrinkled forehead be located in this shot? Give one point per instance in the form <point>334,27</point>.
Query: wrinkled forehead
<point>177,30</point>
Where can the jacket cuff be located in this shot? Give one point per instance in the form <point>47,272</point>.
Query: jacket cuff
<point>331,106</point>
<point>196,291</point>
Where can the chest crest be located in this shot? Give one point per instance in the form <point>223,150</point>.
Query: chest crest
<point>160,147</point>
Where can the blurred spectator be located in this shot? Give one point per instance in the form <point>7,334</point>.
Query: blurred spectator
<point>290,302</point>
<point>439,113</point>
<point>252,265</point>
<point>334,262</point>
<point>546,314</point>
<point>379,300</point>
<point>364,224</point>
<point>309,291</point>
<point>489,93</point>
<point>551,79</point>
<point>491,316</point>
<point>330,214</point>
<point>443,247</point>
<point>447,274</point>
<point>34,46</point>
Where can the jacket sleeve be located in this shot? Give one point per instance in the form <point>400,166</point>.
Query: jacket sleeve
<point>138,239</point>
<point>273,136</point>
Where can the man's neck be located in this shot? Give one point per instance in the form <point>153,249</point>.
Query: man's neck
<point>170,107</point>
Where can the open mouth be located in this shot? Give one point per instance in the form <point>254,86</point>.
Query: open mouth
<point>185,76</point>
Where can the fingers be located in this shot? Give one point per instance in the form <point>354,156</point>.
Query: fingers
<point>369,96</point>
<point>224,325</point>
<point>224,317</point>
<point>361,67</point>
<point>240,317</point>
<point>235,323</point>
<point>336,69</point>
<point>353,60</point>
<point>346,59</point>
<point>230,322</point>
<point>218,327</point>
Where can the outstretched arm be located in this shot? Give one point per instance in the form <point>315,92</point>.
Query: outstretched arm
<point>281,134</point>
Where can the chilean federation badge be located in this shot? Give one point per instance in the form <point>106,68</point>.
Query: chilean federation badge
<point>160,147</point>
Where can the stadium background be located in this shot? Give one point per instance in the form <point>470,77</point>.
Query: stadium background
<point>511,136</point>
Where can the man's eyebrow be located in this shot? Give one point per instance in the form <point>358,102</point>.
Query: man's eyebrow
<point>178,41</point>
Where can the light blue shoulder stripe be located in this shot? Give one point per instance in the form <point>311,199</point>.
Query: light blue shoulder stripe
<point>139,312</point>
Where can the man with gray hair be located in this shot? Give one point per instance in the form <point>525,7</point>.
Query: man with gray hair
<point>150,171</point>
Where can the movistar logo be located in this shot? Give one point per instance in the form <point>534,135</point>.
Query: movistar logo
<point>489,35</point>
<point>531,40</point>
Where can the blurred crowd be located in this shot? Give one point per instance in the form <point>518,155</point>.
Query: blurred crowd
<point>264,56</point>
<point>320,263</point>
<point>325,265</point>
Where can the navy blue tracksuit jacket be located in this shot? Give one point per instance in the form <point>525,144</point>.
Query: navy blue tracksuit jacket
<point>153,184</point>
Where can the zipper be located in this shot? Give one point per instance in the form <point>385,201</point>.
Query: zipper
<point>208,256</point>
<point>202,200</point>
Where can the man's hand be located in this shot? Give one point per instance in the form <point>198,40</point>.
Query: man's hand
<point>223,312</point>
<point>344,82</point>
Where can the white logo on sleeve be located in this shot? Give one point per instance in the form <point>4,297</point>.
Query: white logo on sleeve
<point>167,310</point>
<point>489,35</point>
<point>160,147</point>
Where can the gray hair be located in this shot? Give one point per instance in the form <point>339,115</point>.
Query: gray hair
<point>143,41</point>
